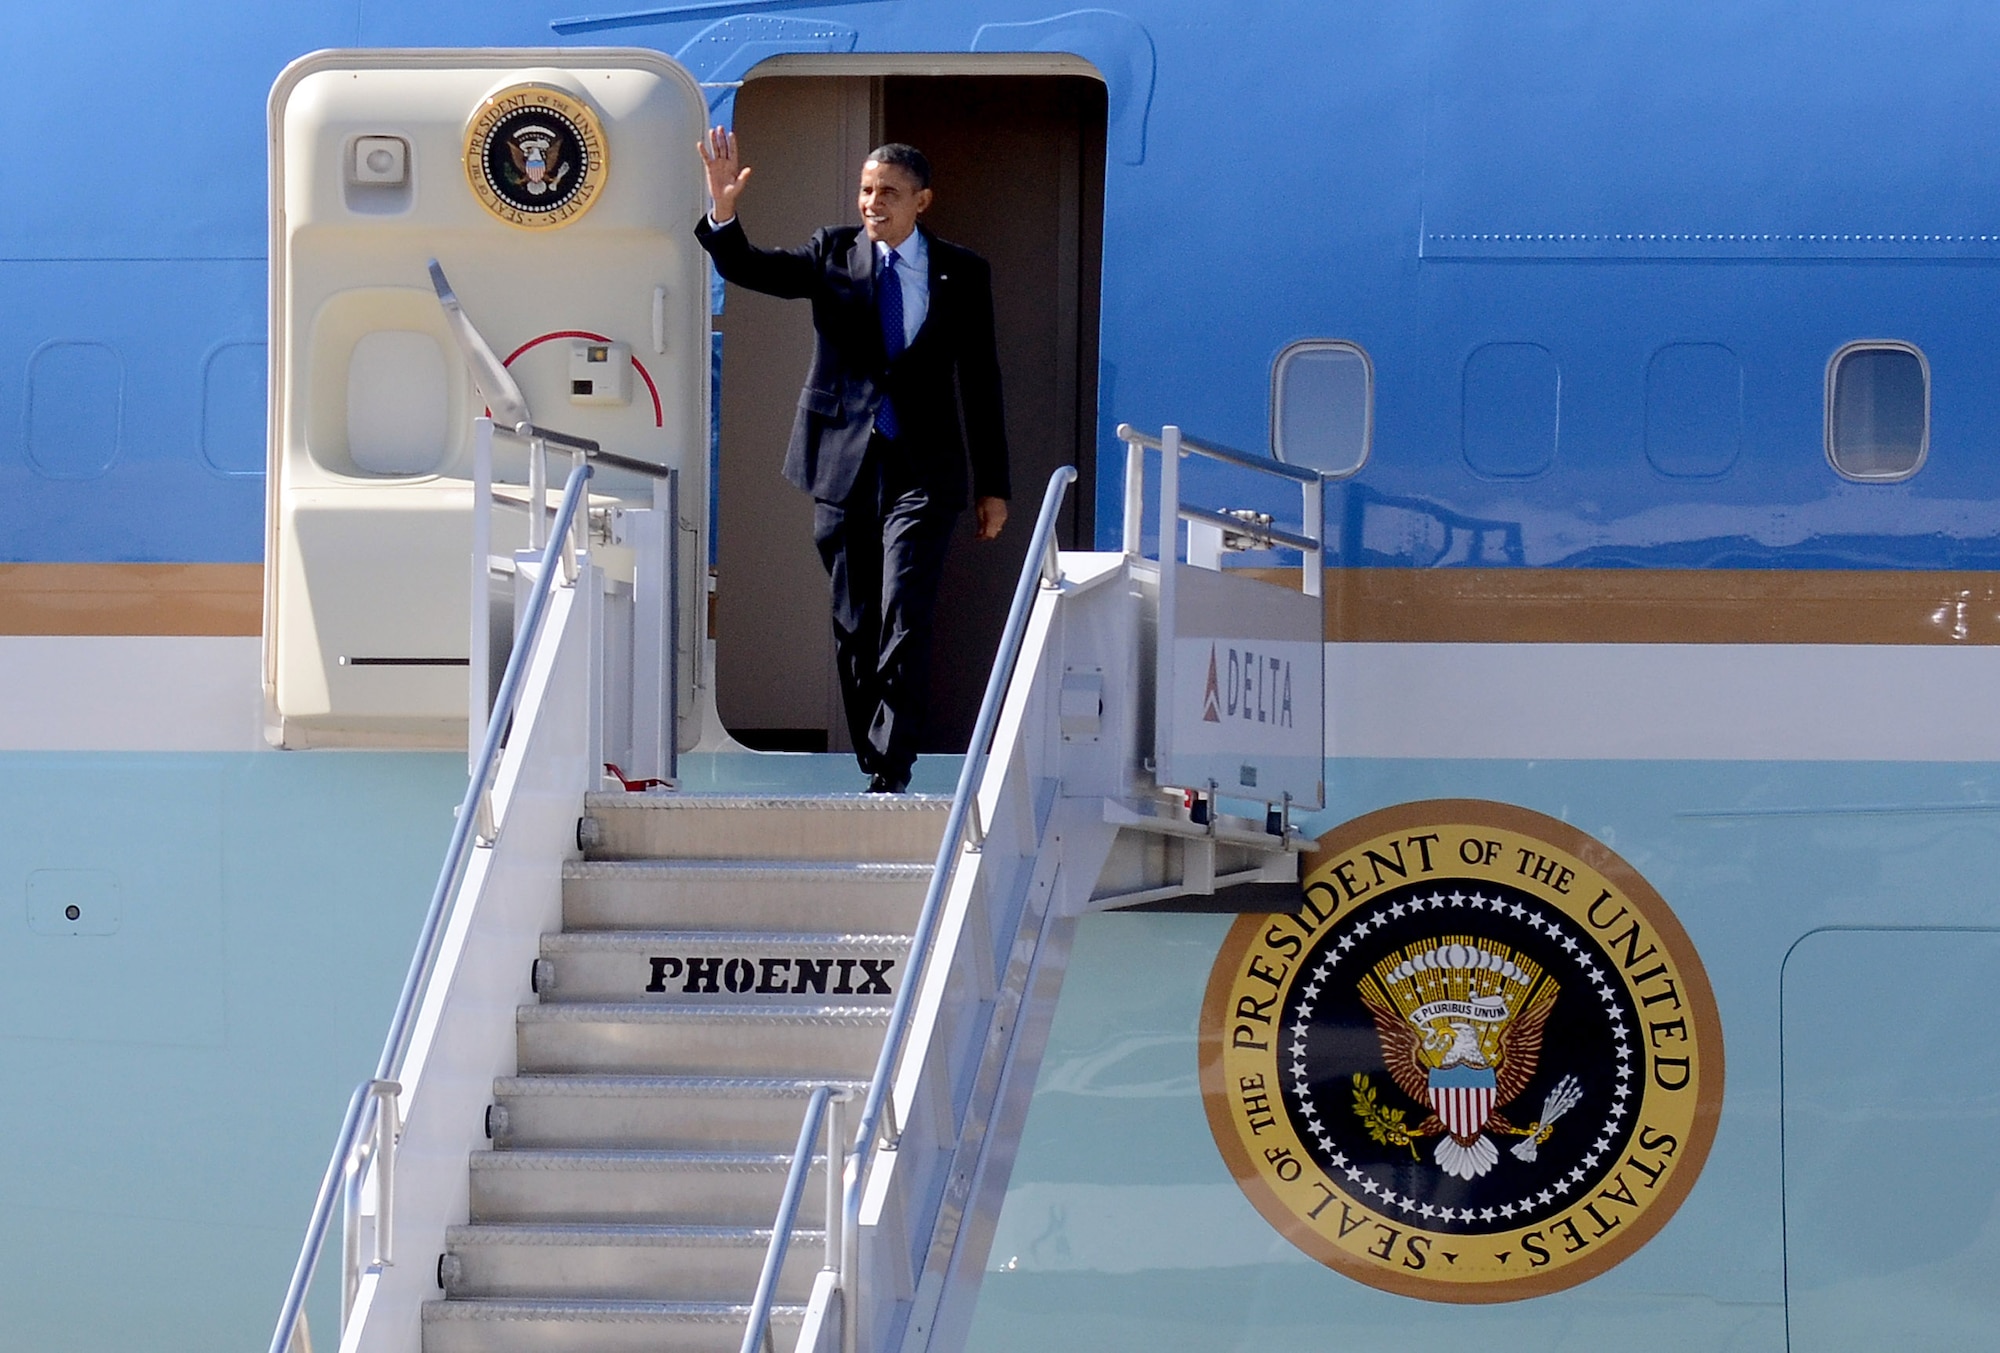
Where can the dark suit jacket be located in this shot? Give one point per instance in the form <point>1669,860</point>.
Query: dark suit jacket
<point>952,365</point>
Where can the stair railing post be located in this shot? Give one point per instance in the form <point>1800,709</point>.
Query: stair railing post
<point>671,531</point>
<point>1163,645</point>
<point>538,493</point>
<point>850,1255</point>
<point>1135,492</point>
<point>1313,561</point>
<point>486,827</point>
<point>350,1242</point>
<point>388,1127</point>
<point>576,545</point>
<point>836,1173</point>
<point>350,1226</point>
<point>479,696</point>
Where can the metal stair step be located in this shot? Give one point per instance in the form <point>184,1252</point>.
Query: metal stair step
<point>750,967</point>
<point>740,895</point>
<point>553,1325</point>
<point>644,1262</point>
<point>667,1112</point>
<point>741,827</point>
<point>791,1040</point>
<point>708,1188</point>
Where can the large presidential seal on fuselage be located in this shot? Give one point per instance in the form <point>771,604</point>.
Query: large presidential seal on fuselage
<point>1482,1063</point>
<point>535,156</point>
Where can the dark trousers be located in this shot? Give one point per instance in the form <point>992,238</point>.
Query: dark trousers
<point>883,549</point>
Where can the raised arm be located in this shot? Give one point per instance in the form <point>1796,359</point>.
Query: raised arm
<point>787,273</point>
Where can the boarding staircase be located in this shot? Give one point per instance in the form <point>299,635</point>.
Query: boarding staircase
<point>720,957</point>
<point>674,1071</point>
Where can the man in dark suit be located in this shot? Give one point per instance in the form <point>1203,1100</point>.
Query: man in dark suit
<point>904,391</point>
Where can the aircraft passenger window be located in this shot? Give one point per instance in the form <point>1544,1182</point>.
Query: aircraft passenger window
<point>1878,410</point>
<point>1512,410</point>
<point>1694,410</point>
<point>1323,406</point>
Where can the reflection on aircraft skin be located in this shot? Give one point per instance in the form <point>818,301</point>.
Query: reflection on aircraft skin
<point>1108,1072</point>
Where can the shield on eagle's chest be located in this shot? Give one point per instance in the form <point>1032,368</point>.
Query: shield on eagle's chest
<point>1462,1096</point>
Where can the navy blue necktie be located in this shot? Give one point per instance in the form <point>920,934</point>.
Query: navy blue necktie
<point>889,300</point>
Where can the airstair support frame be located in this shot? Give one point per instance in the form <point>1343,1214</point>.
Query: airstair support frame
<point>460,970</point>
<point>464,1029</point>
<point>1069,778</point>
<point>1020,879</point>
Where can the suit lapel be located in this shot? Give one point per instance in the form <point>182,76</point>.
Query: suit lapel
<point>861,267</point>
<point>861,278</point>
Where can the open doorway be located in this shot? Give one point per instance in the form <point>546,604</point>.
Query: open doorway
<point>1018,168</point>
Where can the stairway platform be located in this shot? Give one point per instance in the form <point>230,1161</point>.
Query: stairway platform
<point>904,827</point>
<point>662,798</point>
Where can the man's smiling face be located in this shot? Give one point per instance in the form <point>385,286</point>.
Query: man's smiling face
<point>890,202</point>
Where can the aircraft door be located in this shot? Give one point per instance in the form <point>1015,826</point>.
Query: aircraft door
<point>558,189</point>
<point>1019,160</point>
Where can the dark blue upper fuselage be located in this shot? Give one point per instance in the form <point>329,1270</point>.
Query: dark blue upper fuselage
<point>1583,184</point>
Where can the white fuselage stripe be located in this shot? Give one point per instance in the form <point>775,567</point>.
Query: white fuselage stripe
<point>1697,702</point>
<point>1694,702</point>
<point>131,693</point>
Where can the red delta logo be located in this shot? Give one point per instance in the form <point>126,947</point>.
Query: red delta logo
<point>1247,686</point>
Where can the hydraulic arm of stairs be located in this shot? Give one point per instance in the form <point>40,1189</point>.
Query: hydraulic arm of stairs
<point>632,999</point>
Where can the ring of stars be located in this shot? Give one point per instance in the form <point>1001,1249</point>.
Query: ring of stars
<point>1460,902</point>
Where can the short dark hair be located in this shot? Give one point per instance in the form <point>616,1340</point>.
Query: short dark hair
<point>906,158</point>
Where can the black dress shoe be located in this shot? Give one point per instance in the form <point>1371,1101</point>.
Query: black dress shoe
<point>882,784</point>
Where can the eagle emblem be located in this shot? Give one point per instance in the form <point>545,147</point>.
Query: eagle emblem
<point>540,156</point>
<point>1460,1022</point>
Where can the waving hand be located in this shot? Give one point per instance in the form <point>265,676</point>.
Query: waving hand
<point>726,173</point>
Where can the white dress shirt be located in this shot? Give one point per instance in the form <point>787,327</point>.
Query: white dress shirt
<point>913,270</point>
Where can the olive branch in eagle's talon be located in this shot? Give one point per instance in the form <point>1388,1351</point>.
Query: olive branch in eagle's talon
<point>1384,1125</point>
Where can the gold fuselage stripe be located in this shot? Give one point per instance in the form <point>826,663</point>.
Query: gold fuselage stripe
<point>73,599</point>
<point>1459,605</point>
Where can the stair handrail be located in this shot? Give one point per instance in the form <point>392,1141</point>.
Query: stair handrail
<point>1040,567</point>
<point>825,1103</point>
<point>378,1095</point>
